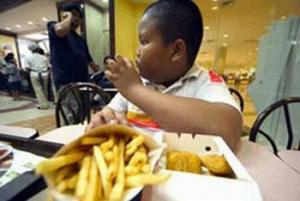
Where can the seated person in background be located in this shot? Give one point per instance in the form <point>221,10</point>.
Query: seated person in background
<point>174,93</point>
<point>99,77</point>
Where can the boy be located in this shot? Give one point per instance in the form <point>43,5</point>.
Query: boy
<point>174,94</point>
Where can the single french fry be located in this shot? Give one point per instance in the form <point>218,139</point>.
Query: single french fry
<point>118,189</point>
<point>137,158</point>
<point>93,190</point>
<point>142,149</point>
<point>108,156</point>
<point>92,140</point>
<point>131,170</point>
<point>145,179</point>
<point>132,146</point>
<point>55,163</point>
<point>102,167</point>
<point>62,173</point>
<point>83,177</point>
<point>113,165</point>
<point>62,186</point>
<point>146,168</point>
<point>71,184</point>
<point>105,146</point>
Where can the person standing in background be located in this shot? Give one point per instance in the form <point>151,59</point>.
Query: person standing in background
<point>69,52</point>
<point>37,65</point>
<point>3,73</point>
<point>14,78</point>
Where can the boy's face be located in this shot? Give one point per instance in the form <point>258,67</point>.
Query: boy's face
<point>154,58</point>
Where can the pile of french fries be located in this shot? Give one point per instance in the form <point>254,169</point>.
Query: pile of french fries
<point>101,165</point>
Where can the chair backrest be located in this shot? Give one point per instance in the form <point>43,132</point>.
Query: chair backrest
<point>76,102</point>
<point>256,128</point>
<point>238,96</point>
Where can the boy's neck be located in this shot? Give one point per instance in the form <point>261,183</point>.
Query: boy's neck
<point>169,83</point>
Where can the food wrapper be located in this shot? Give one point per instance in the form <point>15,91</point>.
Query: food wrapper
<point>155,151</point>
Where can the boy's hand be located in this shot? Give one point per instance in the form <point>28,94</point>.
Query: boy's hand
<point>107,116</point>
<point>123,74</point>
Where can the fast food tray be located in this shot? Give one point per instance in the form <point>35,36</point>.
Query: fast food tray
<point>27,184</point>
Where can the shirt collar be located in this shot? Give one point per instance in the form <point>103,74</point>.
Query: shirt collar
<point>193,72</point>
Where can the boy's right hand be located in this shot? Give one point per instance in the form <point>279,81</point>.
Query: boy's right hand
<point>107,116</point>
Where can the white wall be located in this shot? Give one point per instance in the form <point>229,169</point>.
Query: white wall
<point>96,31</point>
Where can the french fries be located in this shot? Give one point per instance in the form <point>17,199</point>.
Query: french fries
<point>83,177</point>
<point>101,165</point>
<point>58,162</point>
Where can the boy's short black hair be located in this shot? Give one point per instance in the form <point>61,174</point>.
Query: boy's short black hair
<point>178,19</point>
<point>73,6</point>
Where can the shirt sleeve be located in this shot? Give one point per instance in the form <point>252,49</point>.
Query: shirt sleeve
<point>119,103</point>
<point>217,92</point>
<point>50,27</point>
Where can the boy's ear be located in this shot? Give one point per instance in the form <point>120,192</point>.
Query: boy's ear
<point>179,50</point>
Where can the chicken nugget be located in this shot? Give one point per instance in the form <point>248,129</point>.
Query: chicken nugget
<point>184,162</point>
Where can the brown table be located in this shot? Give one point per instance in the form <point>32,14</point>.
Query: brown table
<point>277,180</point>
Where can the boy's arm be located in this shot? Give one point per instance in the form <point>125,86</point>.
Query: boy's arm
<point>175,113</point>
<point>63,28</point>
<point>180,114</point>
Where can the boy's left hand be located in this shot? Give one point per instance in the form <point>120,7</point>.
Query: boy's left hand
<point>123,74</point>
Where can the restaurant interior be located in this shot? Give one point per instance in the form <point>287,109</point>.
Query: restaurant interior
<point>254,45</point>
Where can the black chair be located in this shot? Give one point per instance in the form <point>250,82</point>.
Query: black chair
<point>281,104</point>
<point>238,96</point>
<point>99,79</point>
<point>76,102</point>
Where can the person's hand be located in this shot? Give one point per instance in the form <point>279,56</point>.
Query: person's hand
<point>107,116</point>
<point>67,15</point>
<point>122,73</point>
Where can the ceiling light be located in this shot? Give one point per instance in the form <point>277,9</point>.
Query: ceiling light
<point>215,0</point>
<point>256,48</point>
<point>8,28</point>
<point>283,17</point>
<point>105,1</point>
<point>36,36</point>
<point>224,44</point>
<point>215,8</point>
<point>206,28</point>
<point>225,35</point>
<point>30,22</point>
<point>45,19</point>
<point>250,53</point>
<point>18,26</point>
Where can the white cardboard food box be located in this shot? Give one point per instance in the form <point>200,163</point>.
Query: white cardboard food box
<point>188,186</point>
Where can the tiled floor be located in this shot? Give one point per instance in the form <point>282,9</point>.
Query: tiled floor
<point>24,113</point>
